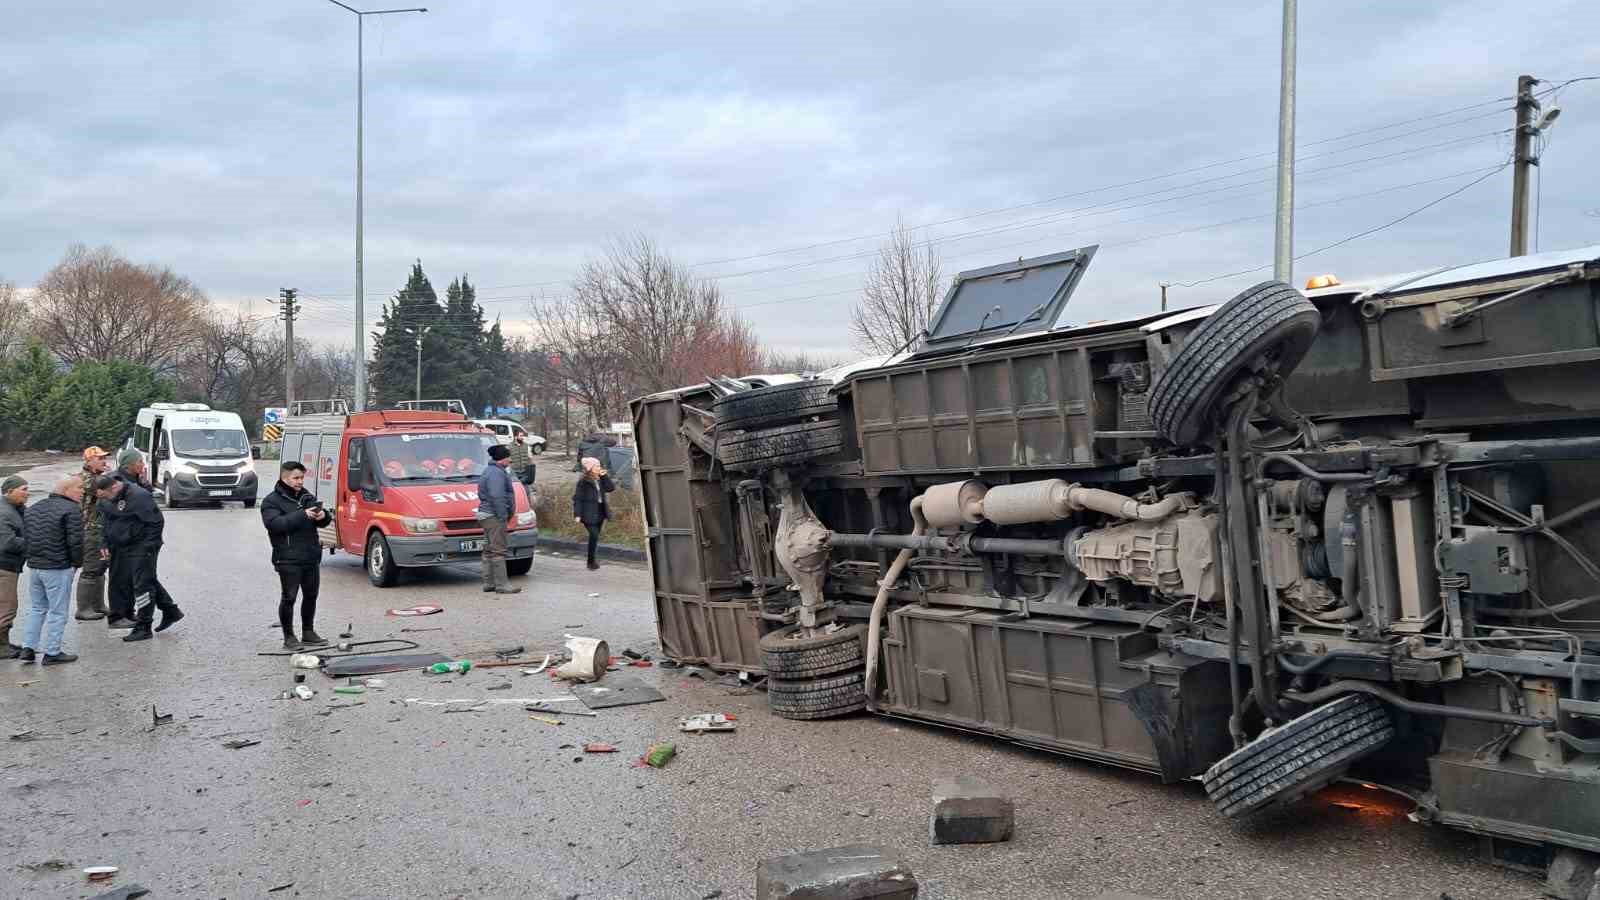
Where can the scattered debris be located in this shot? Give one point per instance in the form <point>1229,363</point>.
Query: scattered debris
<point>415,611</point>
<point>502,686</point>
<point>546,720</point>
<point>285,887</point>
<point>375,684</point>
<point>864,812</point>
<point>641,663</point>
<point>569,711</point>
<point>479,701</point>
<point>100,873</point>
<point>304,692</point>
<point>670,664</point>
<point>159,718</point>
<point>697,672</point>
<point>305,661</point>
<point>49,865</point>
<point>465,709</point>
<point>509,652</point>
<point>458,667</point>
<point>239,744</point>
<point>378,663</point>
<point>970,811</point>
<point>593,595</point>
<point>126,892</point>
<point>589,658</point>
<point>348,632</point>
<point>599,747</point>
<point>28,735</point>
<point>541,667</point>
<point>859,870</point>
<point>26,683</point>
<point>416,630</point>
<point>304,803</point>
<point>700,724</point>
<point>624,690</point>
<point>712,896</point>
<point>659,755</point>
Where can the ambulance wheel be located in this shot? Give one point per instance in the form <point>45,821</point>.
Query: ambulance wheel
<point>381,570</point>
<point>250,504</point>
<point>519,566</point>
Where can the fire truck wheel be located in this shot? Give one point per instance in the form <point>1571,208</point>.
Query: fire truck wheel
<point>786,445</point>
<point>1298,757</point>
<point>785,656</point>
<point>519,566</point>
<point>381,570</point>
<point>779,404</point>
<point>1267,329</point>
<point>817,698</point>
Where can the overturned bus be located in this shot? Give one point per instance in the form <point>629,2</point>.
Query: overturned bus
<point>1268,544</point>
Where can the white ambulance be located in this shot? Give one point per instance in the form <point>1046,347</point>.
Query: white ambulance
<point>195,453</point>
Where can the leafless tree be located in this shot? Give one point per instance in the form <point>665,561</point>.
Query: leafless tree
<point>730,348</point>
<point>899,295</point>
<point>799,361</point>
<point>658,314</point>
<point>582,355</point>
<point>14,320</point>
<point>96,305</point>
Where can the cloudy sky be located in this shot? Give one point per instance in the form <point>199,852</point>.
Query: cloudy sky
<point>773,145</point>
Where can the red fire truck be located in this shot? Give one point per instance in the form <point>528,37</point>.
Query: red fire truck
<point>402,485</point>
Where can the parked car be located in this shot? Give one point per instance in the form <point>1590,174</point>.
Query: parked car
<point>506,431</point>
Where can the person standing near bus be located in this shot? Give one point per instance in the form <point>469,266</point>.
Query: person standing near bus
<point>589,507</point>
<point>292,516</point>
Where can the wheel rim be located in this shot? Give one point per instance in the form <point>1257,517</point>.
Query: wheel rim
<point>375,558</point>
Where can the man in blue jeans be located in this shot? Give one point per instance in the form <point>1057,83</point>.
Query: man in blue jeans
<point>54,531</point>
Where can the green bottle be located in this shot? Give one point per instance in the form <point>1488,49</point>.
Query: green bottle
<point>446,668</point>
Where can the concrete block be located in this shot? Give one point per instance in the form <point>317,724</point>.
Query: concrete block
<point>968,811</point>
<point>857,872</point>
<point>1571,875</point>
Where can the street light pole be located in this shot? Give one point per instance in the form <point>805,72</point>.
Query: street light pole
<point>360,333</point>
<point>1283,244</point>
<point>421,330</point>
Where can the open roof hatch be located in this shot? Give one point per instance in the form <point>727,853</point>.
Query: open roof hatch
<point>1021,297</point>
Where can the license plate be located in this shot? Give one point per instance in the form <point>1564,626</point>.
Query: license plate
<point>471,546</point>
<point>219,493</point>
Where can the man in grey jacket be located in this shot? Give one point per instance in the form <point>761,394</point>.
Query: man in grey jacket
<point>497,506</point>
<point>13,554</point>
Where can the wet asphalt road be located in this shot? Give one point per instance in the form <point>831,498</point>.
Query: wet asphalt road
<point>383,799</point>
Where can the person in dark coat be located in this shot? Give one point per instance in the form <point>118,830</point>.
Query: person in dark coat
<point>497,507</point>
<point>589,507</point>
<point>292,516</point>
<point>54,529</point>
<point>132,534</point>
<point>13,556</point>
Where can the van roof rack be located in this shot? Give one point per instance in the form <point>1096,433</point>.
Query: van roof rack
<point>335,406</point>
<point>455,406</point>
<point>182,407</point>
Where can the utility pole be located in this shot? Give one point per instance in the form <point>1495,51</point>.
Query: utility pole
<point>421,330</point>
<point>1164,286</point>
<point>286,297</point>
<point>1523,162</point>
<point>360,397</point>
<point>1283,252</point>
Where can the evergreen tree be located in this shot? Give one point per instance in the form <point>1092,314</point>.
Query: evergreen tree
<point>393,373</point>
<point>499,365</point>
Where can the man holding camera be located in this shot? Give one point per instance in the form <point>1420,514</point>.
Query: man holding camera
<point>292,515</point>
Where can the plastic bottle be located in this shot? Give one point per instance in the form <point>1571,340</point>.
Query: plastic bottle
<point>303,692</point>
<point>445,668</point>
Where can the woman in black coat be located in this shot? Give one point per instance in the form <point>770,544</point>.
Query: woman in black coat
<point>589,507</point>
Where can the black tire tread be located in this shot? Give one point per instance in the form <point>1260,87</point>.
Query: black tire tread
<point>788,658</point>
<point>817,698</point>
<point>775,405</point>
<point>1298,756</point>
<point>779,446</point>
<point>1199,372</point>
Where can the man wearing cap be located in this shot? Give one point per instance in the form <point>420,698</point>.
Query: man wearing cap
<point>55,547</point>
<point>13,554</point>
<point>92,580</point>
<point>497,506</point>
<point>131,466</point>
<point>132,534</point>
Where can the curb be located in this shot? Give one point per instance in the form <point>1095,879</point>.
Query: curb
<point>579,548</point>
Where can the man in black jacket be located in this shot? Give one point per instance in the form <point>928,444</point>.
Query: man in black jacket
<point>132,535</point>
<point>13,554</point>
<point>292,515</point>
<point>54,529</point>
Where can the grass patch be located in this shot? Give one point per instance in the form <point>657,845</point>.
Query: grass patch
<point>626,526</point>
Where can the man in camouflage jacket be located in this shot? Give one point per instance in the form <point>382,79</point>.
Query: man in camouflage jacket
<point>91,580</point>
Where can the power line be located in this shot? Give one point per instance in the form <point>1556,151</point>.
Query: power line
<point>1360,234</point>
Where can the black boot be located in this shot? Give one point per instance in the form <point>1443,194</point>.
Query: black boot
<point>10,651</point>
<point>140,632</point>
<point>311,638</point>
<point>170,618</point>
<point>115,623</point>
<point>26,655</point>
<point>56,659</point>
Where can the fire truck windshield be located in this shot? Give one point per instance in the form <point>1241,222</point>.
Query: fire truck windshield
<point>431,458</point>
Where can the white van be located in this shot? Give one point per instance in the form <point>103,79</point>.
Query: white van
<point>506,431</point>
<point>195,453</point>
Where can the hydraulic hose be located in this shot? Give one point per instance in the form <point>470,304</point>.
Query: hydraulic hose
<point>1309,472</point>
<point>1340,688</point>
<point>881,601</point>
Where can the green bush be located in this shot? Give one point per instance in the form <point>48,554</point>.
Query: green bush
<point>93,403</point>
